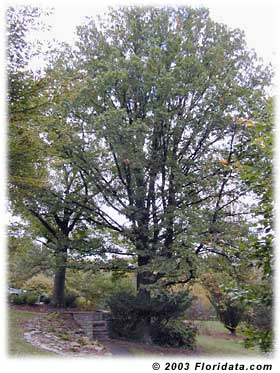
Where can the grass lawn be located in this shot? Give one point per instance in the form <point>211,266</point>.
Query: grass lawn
<point>17,347</point>
<point>214,339</point>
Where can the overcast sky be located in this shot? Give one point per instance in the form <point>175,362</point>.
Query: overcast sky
<point>257,18</point>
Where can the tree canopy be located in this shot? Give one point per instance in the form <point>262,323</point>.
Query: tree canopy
<point>164,102</point>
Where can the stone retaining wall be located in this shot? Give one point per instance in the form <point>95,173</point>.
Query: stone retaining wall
<point>94,324</point>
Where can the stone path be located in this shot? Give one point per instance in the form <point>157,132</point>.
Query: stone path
<point>117,350</point>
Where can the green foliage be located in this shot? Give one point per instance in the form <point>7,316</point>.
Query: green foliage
<point>229,309</point>
<point>124,322</point>
<point>18,299</point>
<point>262,338</point>
<point>26,98</point>
<point>31,298</point>
<point>45,299</point>
<point>95,288</point>
<point>40,284</point>
<point>131,135</point>
<point>257,172</point>
<point>133,315</point>
<point>258,326</point>
<point>201,307</point>
<point>161,147</point>
<point>65,336</point>
<point>26,258</point>
<point>70,300</point>
<point>175,333</point>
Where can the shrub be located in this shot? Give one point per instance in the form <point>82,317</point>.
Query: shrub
<point>11,298</point>
<point>132,316</point>
<point>230,313</point>
<point>175,333</point>
<point>84,304</point>
<point>39,284</point>
<point>19,299</point>
<point>124,321</point>
<point>45,299</point>
<point>31,298</point>
<point>70,300</point>
<point>258,327</point>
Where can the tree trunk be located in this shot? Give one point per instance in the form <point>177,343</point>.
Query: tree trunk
<point>59,279</point>
<point>145,296</point>
<point>142,277</point>
<point>232,330</point>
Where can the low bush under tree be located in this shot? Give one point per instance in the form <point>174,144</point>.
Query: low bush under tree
<point>174,333</point>
<point>151,319</point>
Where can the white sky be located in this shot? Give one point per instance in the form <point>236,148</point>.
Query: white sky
<point>257,18</point>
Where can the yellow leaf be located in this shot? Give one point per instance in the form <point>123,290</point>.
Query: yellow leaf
<point>249,123</point>
<point>224,162</point>
<point>240,121</point>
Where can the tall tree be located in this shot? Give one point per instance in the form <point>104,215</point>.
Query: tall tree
<point>166,101</point>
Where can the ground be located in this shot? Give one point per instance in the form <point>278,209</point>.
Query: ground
<point>64,338</point>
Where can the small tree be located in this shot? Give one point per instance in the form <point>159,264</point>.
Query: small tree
<point>229,309</point>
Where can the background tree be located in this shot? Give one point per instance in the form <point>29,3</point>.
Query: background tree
<point>26,258</point>
<point>26,97</point>
<point>40,182</point>
<point>257,171</point>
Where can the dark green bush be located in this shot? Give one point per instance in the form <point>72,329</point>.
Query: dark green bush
<point>258,327</point>
<point>230,314</point>
<point>31,298</point>
<point>175,333</point>
<point>19,299</point>
<point>133,316</point>
<point>11,298</point>
<point>124,322</point>
<point>70,300</point>
<point>45,299</point>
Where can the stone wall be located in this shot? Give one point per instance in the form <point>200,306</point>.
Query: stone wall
<point>94,324</point>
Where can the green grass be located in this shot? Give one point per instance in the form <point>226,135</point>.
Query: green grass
<point>213,339</point>
<point>17,347</point>
<point>220,346</point>
<point>211,327</point>
<point>211,342</point>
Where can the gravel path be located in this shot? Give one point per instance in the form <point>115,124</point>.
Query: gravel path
<point>117,350</point>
